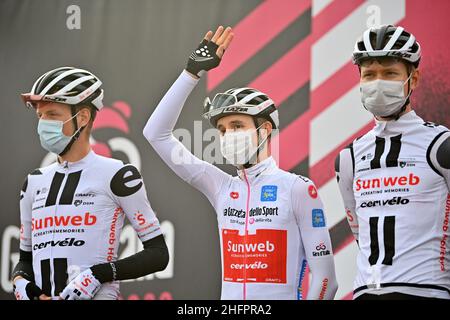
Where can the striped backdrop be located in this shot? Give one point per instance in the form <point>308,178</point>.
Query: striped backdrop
<point>299,52</point>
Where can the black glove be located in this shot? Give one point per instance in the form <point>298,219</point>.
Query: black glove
<point>204,58</point>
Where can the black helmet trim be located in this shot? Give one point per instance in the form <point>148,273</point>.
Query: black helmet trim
<point>61,85</point>
<point>246,101</point>
<point>409,50</point>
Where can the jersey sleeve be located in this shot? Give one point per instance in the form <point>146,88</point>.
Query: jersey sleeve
<point>129,192</point>
<point>26,202</point>
<point>311,221</point>
<point>204,176</point>
<point>344,167</point>
<point>438,156</point>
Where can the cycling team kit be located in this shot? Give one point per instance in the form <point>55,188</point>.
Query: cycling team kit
<point>271,222</point>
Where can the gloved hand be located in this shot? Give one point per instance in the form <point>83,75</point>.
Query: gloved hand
<point>209,53</point>
<point>26,290</point>
<point>82,287</point>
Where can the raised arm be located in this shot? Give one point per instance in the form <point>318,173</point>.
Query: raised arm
<point>158,130</point>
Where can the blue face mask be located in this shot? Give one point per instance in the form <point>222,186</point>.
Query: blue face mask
<point>51,135</point>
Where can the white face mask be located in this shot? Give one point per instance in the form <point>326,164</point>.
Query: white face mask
<point>237,147</point>
<point>384,98</point>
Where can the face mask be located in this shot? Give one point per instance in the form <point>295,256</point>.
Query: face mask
<point>237,147</point>
<point>52,136</point>
<point>384,98</point>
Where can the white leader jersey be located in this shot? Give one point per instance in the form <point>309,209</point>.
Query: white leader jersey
<point>396,194</point>
<point>72,215</point>
<point>275,217</point>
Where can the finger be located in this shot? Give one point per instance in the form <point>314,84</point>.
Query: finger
<point>208,36</point>
<point>223,36</point>
<point>228,40</point>
<point>217,34</point>
<point>44,297</point>
<point>221,50</point>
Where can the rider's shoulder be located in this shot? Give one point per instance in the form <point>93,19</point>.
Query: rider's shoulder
<point>41,172</point>
<point>110,164</point>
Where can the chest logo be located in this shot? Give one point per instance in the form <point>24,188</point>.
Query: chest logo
<point>388,181</point>
<point>269,193</point>
<point>234,195</point>
<point>255,258</point>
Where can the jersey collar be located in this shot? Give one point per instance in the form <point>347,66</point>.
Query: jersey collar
<point>83,163</point>
<point>403,124</point>
<point>264,167</point>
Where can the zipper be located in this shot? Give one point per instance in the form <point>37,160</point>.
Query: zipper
<point>245,236</point>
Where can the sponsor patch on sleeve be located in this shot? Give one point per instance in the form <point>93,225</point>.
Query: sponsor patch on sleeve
<point>318,218</point>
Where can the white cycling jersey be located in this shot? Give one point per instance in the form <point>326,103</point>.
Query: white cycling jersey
<point>271,222</point>
<point>395,183</point>
<point>72,215</point>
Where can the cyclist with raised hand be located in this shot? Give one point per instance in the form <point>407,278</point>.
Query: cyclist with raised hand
<point>271,222</point>
<point>72,211</point>
<point>395,180</point>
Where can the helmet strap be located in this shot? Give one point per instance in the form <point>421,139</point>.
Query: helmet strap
<point>77,132</point>
<point>397,115</point>
<point>261,144</point>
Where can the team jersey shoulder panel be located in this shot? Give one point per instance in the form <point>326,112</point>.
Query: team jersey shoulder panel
<point>443,153</point>
<point>439,147</point>
<point>304,196</point>
<point>120,179</point>
<point>345,159</point>
<point>33,179</point>
<point>365,139</point>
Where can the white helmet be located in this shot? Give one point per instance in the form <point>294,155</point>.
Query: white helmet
<point>387,41</point>
<point>247,101</point>
<point>66,85</point>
